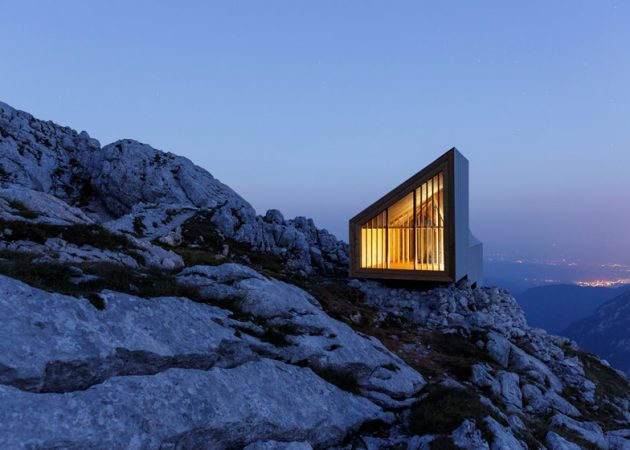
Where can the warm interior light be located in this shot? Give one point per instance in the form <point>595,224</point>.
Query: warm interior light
<point>401,251</point>
<point>430,224</point>
<point>409,234</point>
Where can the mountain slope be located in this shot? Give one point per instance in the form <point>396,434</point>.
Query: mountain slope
<point>144,304</point>
<point>554,307</point>
<point>606,332</point>
<point>148,193</point>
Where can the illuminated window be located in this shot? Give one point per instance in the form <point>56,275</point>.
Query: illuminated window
<point>400,242</point>
<point>373,242</point>
<point>420,230</point>
<point>409,234</point>
<point>430,224</point>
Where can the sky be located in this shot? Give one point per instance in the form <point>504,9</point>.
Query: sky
<point>319,108</point>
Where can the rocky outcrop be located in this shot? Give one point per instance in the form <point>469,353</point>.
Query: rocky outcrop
<point>306,334</point>
<point>215,408</point>
<point>127,173</point>
<point>451,306</point>
<point>171,351</point>
<point>141,190</point>
<point>531,374</point>
<point>43,156</point>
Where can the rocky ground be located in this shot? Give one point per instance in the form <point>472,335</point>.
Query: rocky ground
<point>145,305</point>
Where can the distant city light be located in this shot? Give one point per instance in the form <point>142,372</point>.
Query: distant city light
<point>604,283</point>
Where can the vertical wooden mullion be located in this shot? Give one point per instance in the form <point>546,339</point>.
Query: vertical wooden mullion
<point>387,238</point>
<point>420,234</point>
<point>372,247</point>
<point>432,223</point>
<point>414,232</point>
<point>379,235</point>
<point>378,240</point>
<point>420,244</point>
<point>424,226</point>
<point>439,225</point>
<point>383,240</point>
<point>368,249</point>
<point>430,227</point>
<point>442,222</point>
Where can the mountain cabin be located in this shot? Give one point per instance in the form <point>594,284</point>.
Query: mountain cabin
<point>419,231</point>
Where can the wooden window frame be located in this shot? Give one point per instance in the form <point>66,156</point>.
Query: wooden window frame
<point>444,164</point>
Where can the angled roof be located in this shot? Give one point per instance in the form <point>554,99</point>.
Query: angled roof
<point>405,187</point>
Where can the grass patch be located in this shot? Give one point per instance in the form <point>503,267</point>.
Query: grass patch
<point>450,353</point>
<point>54,277</point>
<point>444,409</point>
<point>198,257</point>
<point>199,230</point>
<point>77,234</point>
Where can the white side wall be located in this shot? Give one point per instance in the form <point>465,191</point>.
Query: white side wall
<point>468,250</point>
<point>461,215</point>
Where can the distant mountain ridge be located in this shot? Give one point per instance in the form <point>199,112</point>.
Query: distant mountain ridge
<point>606,332</point>
<point>555,307</point>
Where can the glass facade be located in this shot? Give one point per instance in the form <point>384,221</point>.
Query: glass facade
<point>408,235</point>
<point>374,242</point>
<point>400,226</point>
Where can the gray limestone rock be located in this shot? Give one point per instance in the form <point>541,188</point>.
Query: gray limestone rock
<point>588,431</point>
<point>556,442</point>
<point>311,335</point>
<point>469,437</point>
<point>216,408</point>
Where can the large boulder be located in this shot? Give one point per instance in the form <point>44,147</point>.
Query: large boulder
<point>126,173</point>
<point>187,408</point>
<point>306,332</point>
<point>145,373</point>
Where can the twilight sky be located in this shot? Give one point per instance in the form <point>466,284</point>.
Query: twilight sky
<point>319,108</point>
